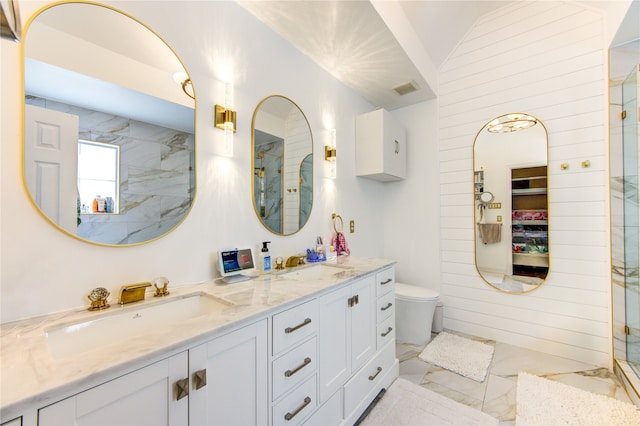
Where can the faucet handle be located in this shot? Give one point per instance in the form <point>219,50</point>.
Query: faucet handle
<point>98,298</point>
<point>161,291</point>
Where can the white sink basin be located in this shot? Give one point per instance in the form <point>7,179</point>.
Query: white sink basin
<point>127,322</point>
<point>317,271</point>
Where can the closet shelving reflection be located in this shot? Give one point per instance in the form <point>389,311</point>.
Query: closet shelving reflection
<point>529,221</point>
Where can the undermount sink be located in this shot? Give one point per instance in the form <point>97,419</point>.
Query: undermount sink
<point>317,271</point>
<point>130,321</point>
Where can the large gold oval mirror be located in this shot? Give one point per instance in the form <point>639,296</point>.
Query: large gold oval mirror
<point>510,202</point>
<point>282,160</point>
<point>109,139</point>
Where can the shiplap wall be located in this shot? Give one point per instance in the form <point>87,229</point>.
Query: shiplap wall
<point>546,59</point>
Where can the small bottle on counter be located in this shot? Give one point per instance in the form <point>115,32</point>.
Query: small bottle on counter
<point>265,259</point>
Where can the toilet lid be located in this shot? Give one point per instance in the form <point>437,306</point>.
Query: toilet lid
<point>412,292</point>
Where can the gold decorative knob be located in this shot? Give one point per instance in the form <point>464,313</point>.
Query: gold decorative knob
<point>98,298</point>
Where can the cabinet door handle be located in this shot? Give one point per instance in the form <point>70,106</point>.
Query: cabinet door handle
<point>356,300</point>
<point>384,308</point>
<point>397,150</point>
<point>290,330</point>
<point>351,301</point>
<point>389,330</point>
<point>200,378</point>
<point>289,416</point>
<point>182,388</point>
<point>387,281</point>
<point>290,373</point>
<point>373,376</point>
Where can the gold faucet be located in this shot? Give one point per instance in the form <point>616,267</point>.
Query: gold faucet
<point>295,261</point>
<point>133,292</point>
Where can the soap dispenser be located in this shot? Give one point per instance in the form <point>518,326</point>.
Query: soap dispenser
<point>265,258</point>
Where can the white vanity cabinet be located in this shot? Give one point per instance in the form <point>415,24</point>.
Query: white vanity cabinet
<point>220,382</point>
<point>147,396</point>
<point>315,359</point>
<point>347,333</point>
<point>229,378</point>
<point>381,144</point>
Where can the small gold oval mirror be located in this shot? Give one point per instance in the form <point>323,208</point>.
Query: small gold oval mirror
<point>282,164</point>
<point>109,139</point>
<point>510,202</point>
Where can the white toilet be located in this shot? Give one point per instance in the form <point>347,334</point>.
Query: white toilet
<point>415,307</point>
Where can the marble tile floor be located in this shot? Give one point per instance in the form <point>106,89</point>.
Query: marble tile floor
<point>496,396</point>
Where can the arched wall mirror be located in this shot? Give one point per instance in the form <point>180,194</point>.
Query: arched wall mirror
<point>510,202</point>
<point>109,140</point>
<point>282,160</point>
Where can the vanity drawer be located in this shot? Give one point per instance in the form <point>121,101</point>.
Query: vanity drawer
<point>298,405</point>
<point>386,332</point>
<point>294,366</point>
<point>368,378</point>
<point>386,307</point>
<point>294,325</point>
<point>385,280</point>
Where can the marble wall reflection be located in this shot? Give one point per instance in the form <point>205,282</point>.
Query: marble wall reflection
<point>269,204</point>
<point>306,189</point>
<point>156,175</point>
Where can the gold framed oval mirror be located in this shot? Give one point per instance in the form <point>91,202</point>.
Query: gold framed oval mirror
<point>109,138</point>
<point>511,221</point>
<point>282,164</point>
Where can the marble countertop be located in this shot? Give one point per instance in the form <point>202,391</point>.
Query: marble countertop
<point>31,374</point>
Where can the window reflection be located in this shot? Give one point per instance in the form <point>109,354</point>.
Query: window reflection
<point>98,166</point>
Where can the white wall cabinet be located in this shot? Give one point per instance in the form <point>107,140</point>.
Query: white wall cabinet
<point>221,382</point>
<point>381,147</point>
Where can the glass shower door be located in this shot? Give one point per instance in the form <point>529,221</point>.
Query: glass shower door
<point>631,148</point>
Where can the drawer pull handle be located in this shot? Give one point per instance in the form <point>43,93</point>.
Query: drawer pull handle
<point>290,373</point>
<point>373,377</point>
<point>290,330</point>
<point>386,333</point>
<point>289,416</point>
<point>387,281</point>
<point>200,379</point>
<point>384,308</point>
<point>182,388</point>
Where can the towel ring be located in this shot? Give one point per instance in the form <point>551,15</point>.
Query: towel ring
<point>335,222</point>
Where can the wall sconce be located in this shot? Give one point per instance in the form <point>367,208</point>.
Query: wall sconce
<point>184,81</point>
<point>224,118</point>
<point>330,154</point>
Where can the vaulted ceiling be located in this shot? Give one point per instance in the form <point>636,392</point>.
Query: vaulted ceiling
<point>377,46</point>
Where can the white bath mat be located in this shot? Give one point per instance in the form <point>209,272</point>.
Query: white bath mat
<point>460,355</point>
<point>540,401</point>
<point>405,403</point>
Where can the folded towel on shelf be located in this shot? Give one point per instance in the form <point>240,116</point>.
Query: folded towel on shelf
<point>490,233</point>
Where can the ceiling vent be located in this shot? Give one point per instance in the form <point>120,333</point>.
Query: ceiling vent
<point>406,88</point>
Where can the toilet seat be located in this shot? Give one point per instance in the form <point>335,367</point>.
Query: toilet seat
<point>412,292</point>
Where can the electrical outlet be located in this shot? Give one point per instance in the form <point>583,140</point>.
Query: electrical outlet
<point>352,226</point>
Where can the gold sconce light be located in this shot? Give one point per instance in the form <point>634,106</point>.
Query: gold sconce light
<point>330,154</point>
<point>225,118</point>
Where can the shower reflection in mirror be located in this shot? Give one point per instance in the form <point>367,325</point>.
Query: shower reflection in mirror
<point>510,203</point>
